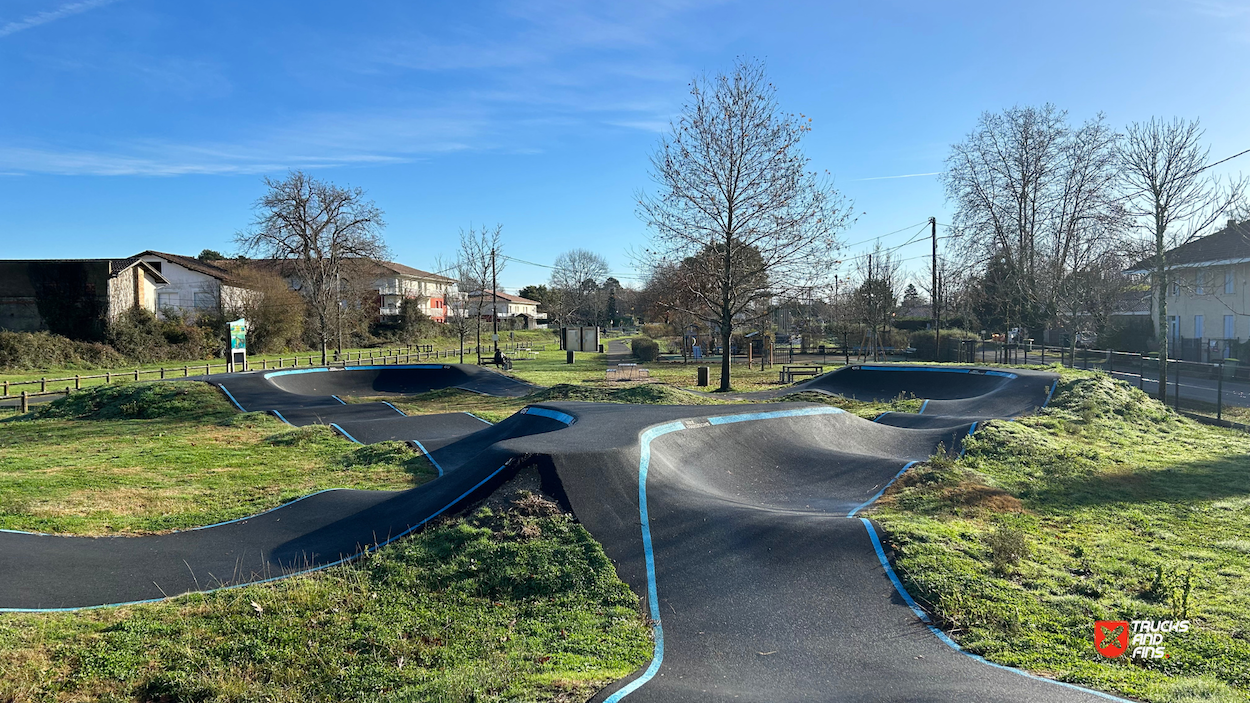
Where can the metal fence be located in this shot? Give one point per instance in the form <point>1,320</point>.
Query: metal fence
<point>1206,388</point>
<point>15,390</point>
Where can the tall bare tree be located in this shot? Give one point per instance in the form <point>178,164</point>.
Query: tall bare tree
<point>576,281</point>
<point>736,205</point>
<point>1034,199</point>
<point>1163,166</point>
<point>479,262</point>
<point>320,229</point>
<point>875,300</point>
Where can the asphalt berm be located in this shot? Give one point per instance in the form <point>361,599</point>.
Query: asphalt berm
<point>736,525</point>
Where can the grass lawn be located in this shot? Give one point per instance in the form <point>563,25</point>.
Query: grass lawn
<point>152,457</point>
<point>1106,506</point>
<point>515,603</point>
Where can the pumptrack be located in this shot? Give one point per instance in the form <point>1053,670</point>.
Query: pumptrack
<point>737,525</point>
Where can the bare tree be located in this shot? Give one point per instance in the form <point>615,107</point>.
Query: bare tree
<point>1036,199</point>
<point>319,228</point>
<point>1163,168</point>
<point>576,281</point>
<point>875,300</point>
<point>736,206</point>
<point>478,265</point>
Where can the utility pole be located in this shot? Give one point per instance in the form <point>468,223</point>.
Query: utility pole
<point>494,300</point>
<point>933,297</point>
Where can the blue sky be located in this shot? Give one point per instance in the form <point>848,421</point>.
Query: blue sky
<point>134,124</point>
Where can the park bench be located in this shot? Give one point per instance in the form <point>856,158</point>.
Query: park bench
<point>791,371</point>
<point>627,372</point>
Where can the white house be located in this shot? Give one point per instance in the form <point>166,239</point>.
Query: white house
<point>194,286</point>
<point>397,282</point>
<point>517,311</point>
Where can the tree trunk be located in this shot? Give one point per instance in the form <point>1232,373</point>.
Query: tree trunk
<point>726,333</point>
<point>1161,286</point>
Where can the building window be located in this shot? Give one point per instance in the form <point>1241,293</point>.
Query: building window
<point>1176,288</point>
<point>1199,287</point>
<point>1228,283</point>
<point>1230,330</point>
<point>1198,326</point>
<point>166,300</point>
<point>204,301</point>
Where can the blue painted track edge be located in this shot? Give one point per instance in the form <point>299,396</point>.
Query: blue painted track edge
<point>344,432</point>
<point>644,463</point>
<point>924,617</point>
<point>366,550</point>
<point>428,455</point>
<point>884,488</point>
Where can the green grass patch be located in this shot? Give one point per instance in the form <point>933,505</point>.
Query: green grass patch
<point>1106,505</point>
<point>513,604</point>
<point>154,457</point>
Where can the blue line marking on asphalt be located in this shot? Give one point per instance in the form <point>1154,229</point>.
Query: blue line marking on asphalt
<point>879,493</point>
<point>279,416</point>
<point>547,412</point>
<point>402,366</point>
<point>924,617</point>
<point>644,465</point>
<point>428,455</point>
<point>289,372</point>
<point>972,429</point>
<point>749,417</point>
<point>345,434</point>
<point>344,402</point>
<point>887,412</point>
<point>366,550</point>
<point>392,407</point>
<point>923,405</point>
<point>230,396</point>
<point>466,412</point>
<point>263,512</point>
<point>978,372</point>
<point>1051,393</point>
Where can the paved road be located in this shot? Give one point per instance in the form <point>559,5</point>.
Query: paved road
<point>739,527</point>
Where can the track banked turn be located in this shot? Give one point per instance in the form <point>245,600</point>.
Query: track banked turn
<point>734,523</point>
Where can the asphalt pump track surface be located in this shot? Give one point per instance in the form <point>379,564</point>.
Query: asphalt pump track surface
<point>737,525</point>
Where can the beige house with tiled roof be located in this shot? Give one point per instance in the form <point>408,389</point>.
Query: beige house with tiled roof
<point>518,311</point>
<point>1208,296</point>
<point>194,286</point>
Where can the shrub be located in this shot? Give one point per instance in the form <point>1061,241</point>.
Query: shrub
<point>35,350</point>
<point>645,349</point>
<point>657,329</point>
<point>922,342</point>
<point>1008,545</point>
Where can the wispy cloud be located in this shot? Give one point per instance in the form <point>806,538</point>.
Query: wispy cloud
<point>905,175</point>
<point>319,141</point>
<point>53,15</point>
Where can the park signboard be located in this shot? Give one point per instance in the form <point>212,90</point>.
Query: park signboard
<point>238,345</point>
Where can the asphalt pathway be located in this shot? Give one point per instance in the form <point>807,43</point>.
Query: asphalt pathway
<point>737,526</point>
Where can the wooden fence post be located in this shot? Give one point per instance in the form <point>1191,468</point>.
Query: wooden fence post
<point>77,382</point>
<point>25,403</point>
<point>43,385</point>
<point>108,377</point>
<point>136,374</point>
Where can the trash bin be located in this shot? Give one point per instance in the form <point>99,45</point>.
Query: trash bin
<point>703,375</point>
<point>568,359</point>
<point>822,349</point>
